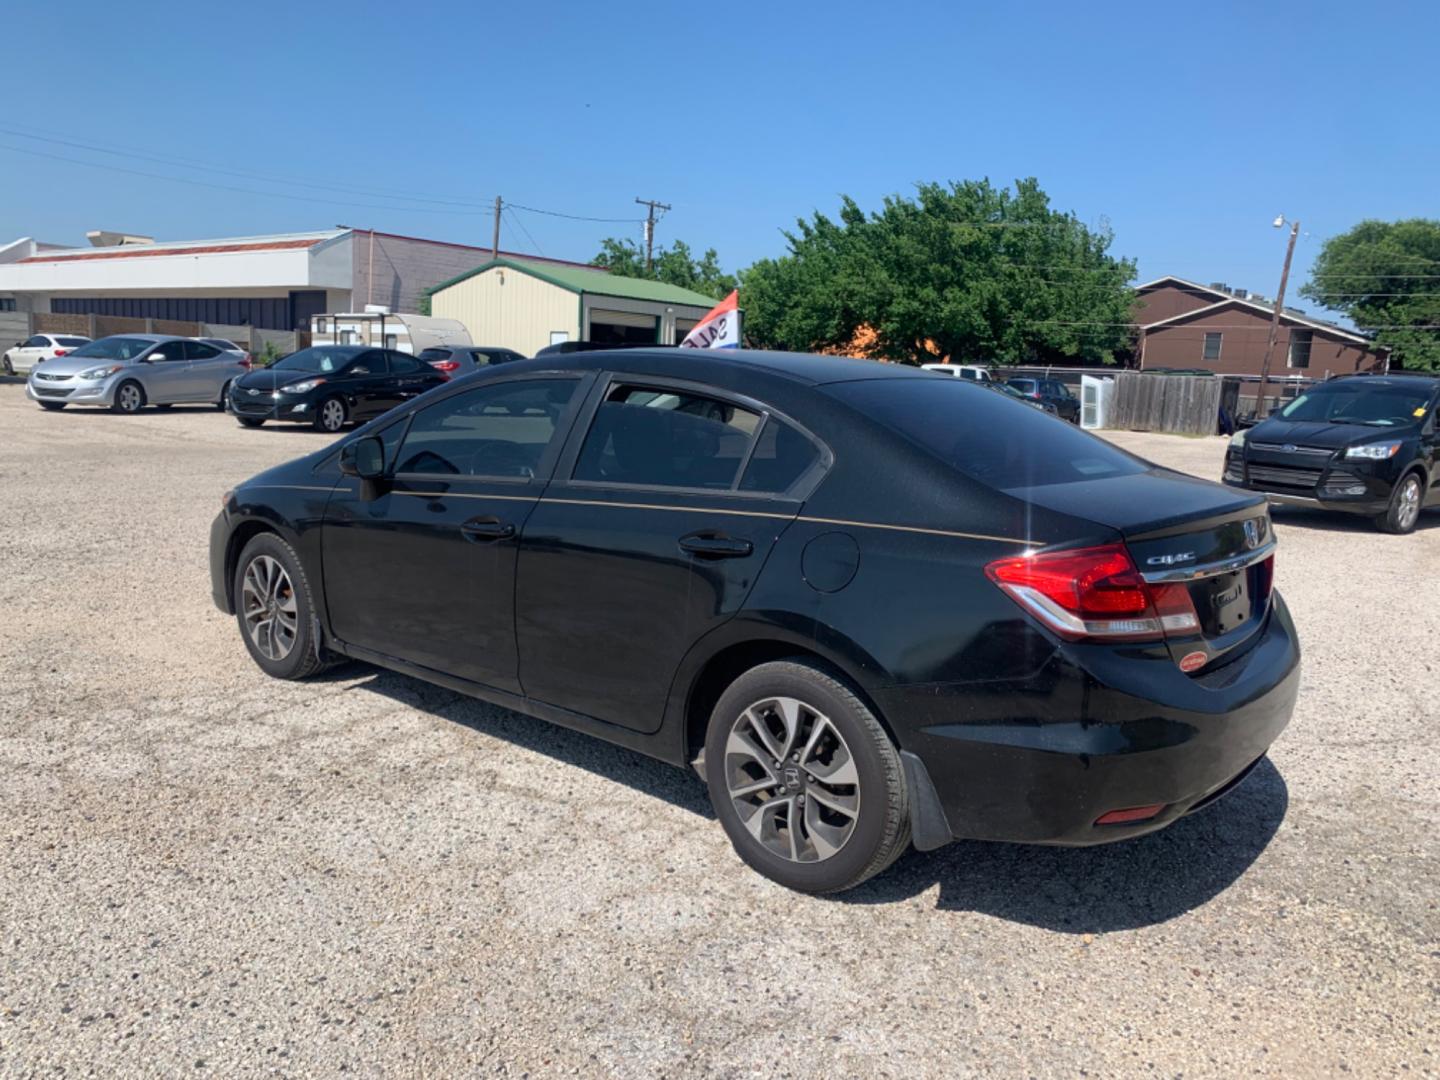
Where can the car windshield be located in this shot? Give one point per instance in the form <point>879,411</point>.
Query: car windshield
<point>322,358</point>
<point>1003,444</point>
<point>114,348</point>
<point>1351,401</point>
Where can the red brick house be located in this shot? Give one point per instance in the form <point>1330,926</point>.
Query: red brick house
<point>1185,325</point>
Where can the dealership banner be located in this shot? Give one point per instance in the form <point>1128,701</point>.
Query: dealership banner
<point>720,329</point>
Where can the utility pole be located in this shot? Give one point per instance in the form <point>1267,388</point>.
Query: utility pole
<point>650,228</point>
<point>495,240</point>
<point>1260,408</point>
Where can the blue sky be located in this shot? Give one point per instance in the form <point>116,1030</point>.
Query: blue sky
<point>1187,127</point>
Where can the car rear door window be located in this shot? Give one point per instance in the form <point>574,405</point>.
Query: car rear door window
<point>781,457</point>
<point>661,437</point>
<point>369,363</point>
<point>403,364</point>
<point>1004,444</point>
<point>198,350</point>
<point>501,430</point>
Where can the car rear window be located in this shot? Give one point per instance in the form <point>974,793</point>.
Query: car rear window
<point>1000,442</point>
<point>72,342</point>
<point>435,354</point>
<point>1025,386</point>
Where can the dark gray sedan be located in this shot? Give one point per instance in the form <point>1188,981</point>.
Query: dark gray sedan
<point>452,361</point>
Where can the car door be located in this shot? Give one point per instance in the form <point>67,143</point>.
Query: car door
<point>365,384</point>
<point>651,534</point>
<point>165,373</point>
<point>32,351</point>
<point>425,572</point>
<point>410,377</point>
<point>207,371</point>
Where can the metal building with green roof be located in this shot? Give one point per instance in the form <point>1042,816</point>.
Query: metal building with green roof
<point>525,306</point>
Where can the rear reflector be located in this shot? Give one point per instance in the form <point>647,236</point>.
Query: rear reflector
<point>1130,815</point>
<point>1095,593</point>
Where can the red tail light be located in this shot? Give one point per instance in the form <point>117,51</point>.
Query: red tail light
<point>1264,578</point>
<point>445,367</point>
<point>247,362</point>
<point>1095,593</point>
<point>60,352</point>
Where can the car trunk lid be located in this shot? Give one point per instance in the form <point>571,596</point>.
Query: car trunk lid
<point>1213,542</point>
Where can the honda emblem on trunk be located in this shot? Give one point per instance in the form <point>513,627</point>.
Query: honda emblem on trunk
<point>1252,533</point>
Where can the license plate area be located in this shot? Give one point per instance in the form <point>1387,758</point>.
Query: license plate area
<point>1223,603</point>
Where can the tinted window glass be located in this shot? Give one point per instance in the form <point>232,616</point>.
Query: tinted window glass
<point>39,341</point>
<point>198,350</point>
<point>167,351</point>
<point>1352,401</point>
<point>999,442</point>
<point>72,342</point>
<point>1025,386</point>
<point>321,358</point>
<point>114,348</point>
<point>368,363</point>
<point>781,457</point>
<point>666,438</point>
<point>434,354</point>
<point>403,364</point>
<point>500,430</point>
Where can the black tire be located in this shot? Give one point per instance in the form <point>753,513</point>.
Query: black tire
<point>9,367</point>
<point>127,402</point>
<point>881,830</point>
<point>1406,502</point>
<point>223,404</point>
<point>249,421</point>
<point>303,658</point>
<point>51,406</point>
<point>325,416</point>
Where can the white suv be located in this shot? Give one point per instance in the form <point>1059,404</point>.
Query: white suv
<point>961,371</point>
<point>26,354</point>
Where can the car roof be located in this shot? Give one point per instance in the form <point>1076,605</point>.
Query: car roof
<point>726,366</point>
<point>1393,378</point>
<point>149,337</point>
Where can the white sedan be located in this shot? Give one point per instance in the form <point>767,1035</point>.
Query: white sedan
<point>24,355</point>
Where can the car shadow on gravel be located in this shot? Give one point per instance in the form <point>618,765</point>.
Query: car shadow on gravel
<point>677,786</point>
<point>1119,886</point>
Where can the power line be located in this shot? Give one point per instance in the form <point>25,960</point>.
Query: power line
<point>572,217</point>
<point>192,164</point>
<point>515,220</point>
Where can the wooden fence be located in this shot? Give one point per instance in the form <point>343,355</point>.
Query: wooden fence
<point>1183,404</point>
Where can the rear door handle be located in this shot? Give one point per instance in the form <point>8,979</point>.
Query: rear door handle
<point>480,529</point>
<point>709,545</point>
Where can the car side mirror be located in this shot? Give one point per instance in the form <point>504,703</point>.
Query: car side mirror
<point>364,458</point>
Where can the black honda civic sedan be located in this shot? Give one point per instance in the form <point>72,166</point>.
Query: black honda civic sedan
<point>329,386</point>
<point>870,605</point>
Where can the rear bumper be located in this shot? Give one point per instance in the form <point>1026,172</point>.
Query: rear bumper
<point>1041,759</point>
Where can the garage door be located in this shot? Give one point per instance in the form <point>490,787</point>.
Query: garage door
<point>621,327</point>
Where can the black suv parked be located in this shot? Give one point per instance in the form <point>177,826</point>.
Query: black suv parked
<point>1052,393</point>
<point>1361,444</point>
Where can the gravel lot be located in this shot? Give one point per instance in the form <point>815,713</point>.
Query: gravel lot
<point>205,870</point>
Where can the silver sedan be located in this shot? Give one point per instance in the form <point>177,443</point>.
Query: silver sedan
<point>126,372</point>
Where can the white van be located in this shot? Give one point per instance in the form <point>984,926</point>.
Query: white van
<point>961,371</point>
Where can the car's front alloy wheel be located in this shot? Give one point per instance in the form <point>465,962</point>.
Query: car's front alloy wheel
<point>129,398</point>
<point>330,416</point>
<point>274,608</point>
<point>805,781</point>
<point>1403,514</point>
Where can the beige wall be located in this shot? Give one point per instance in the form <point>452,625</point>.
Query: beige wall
<point>508,309</point>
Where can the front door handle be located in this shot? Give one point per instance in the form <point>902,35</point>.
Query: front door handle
<point>480,529</point>
<point>712,545</point>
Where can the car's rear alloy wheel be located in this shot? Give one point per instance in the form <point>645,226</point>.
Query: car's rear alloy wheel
<point>330,417</point>
<point>9,367</point>
<point>274,608</point>
<point>129,398</point>
<point>804,779</point>
<point>1404,511</point>
<point>223,402</point>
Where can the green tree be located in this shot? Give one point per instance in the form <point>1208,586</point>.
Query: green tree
<point>674,266</point>
<point>1385,276</point>
<point>964,271</point>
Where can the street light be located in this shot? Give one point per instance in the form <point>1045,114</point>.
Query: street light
<point>1278,223</point>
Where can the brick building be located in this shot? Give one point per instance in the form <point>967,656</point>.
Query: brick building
<point>1185,325</point>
